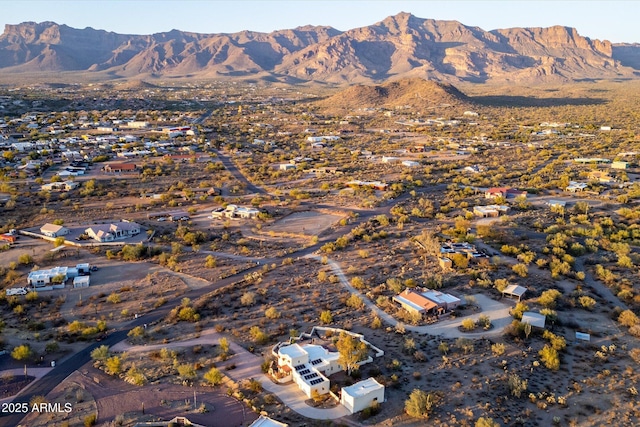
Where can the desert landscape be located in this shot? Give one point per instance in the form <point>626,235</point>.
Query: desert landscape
<point>414,222</point>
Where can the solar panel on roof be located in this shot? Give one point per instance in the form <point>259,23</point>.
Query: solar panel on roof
<point>316,362</point>
<point>310,376</point>
<point>316,381</point>
<point>305,372</point>
<point>298,367</point>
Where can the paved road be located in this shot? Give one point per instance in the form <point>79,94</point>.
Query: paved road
<point>237,174</point>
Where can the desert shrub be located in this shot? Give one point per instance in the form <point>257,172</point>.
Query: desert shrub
<point>31,296</point>
<point>628,318</point>
<point>326,317</point>
<point>135,376</point>
<point>113,365</point>
<point>518,310</point>
<point>357,282</point>
<point>550,357</point>
<point>420,404</point>
<point>376,323</point>
<point>210,262</point>
<point>100,353</point>
<point>468,324</point>
<point>557,341</point>
<point>114,298</point>
<point>248,298</point>
<point>355,302</point>
<point>587,302</point>
<point>90,420</point>
<point>486,422</point>
<point>517,385</point>
<point>258,335</point>
<point>498,349</point>
<point>549,297</point>
<point>272,313</point>
<point>188,314</point>
<point>213,376</point>
<point>521,270</point>
<point>187,371</point>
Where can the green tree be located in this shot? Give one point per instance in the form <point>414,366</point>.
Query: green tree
<point>25,259</point>
<point>258,335</point>
<point>213,376</point>
<point>59,241</point>
<point>210,262</point>
<point>548,298</point>
<point>224,345</point>
<point>420,404</point>
<point>187,371</point>
<point>100,353</point>
<point>113,365</point>
<point>550,357</point>
<point>22,352</point>
<point>351,351</point>
<point>355,302</point>
<point>468,324</point>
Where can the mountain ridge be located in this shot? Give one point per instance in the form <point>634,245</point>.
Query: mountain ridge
<point>399,46</point>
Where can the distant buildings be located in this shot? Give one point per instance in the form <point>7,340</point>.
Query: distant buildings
<point>490,210</point>
<point>234,211</point>
<point>506,192</point>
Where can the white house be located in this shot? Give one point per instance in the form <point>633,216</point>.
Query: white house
<point>310,365</point>
<point>113,231</point>
<point>410,163</point>
<point>263,421</point>
<point>235,211</point>
<point>286,166</point>
<point>362,395</point>
<point>53,230</point>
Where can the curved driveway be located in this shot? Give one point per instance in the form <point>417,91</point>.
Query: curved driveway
<point>248,366</point>
<point>497,311</point>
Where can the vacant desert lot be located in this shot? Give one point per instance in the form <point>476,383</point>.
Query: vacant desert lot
<point>310,223</point>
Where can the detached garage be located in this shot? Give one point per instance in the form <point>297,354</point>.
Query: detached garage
<point>81,282</point>
<point>362,395</point>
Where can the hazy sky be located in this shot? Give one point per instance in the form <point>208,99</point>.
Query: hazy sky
<point>616,21</point>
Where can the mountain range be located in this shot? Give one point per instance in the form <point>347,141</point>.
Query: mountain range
<point>399,46</point>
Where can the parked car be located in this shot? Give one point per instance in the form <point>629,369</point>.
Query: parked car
<point>94,268</point>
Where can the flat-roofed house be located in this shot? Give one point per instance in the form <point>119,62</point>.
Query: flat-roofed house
<point>310,365</point>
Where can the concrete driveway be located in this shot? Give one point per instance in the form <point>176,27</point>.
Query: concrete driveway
<point>248,366</point>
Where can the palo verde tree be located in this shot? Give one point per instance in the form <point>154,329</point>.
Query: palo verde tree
<point>351,351</point>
